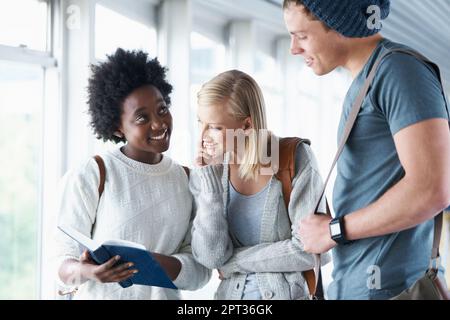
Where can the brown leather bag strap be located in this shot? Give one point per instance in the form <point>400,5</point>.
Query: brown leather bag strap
<point>186,169</point>
<point>286,173</point>
<point>437,236</point>
<point>286,168</point>
<point>310,278</point>
<point>102,170</point>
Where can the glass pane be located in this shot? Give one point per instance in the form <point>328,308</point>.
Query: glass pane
<point>267,72</point>
<point>268,76</point>
<point>195,88</point>
<point>307,82</point>
<point>207,58</point>
<point>113,30</point>
<point>207,61</point>
<point>24,23</point>
<point>21,96</point>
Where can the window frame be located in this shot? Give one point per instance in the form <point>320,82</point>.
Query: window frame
<point>47,61</point>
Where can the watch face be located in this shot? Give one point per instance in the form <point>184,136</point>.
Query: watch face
<point>335,229</point>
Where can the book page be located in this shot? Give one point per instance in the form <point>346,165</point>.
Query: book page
<point>85,241</point>
<point>125,243</point>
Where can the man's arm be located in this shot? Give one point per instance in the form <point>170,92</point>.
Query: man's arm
<point>424,152</point>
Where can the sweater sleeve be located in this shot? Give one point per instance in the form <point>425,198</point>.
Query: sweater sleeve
<point>287,255</point>
<point>77,206</point>
<point>211,243</point>
<point>193,275</point>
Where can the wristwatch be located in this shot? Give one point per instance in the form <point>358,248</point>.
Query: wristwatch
<point>337,231</point>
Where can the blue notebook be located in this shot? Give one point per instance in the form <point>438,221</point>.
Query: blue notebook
<point>150,271</point>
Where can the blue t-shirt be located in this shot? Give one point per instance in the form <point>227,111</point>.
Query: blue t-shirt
<point>405,91</point>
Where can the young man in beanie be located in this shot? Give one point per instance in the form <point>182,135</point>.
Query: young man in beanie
<point>393,176</point>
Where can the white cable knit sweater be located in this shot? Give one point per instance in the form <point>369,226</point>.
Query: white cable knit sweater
<point>148,204</point>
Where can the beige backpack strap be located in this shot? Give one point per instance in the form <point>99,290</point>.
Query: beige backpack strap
<point>101,168</point>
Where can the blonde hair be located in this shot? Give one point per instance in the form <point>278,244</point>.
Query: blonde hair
<point>243,97</point>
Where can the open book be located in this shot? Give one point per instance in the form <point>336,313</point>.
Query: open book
<point>150,271</point>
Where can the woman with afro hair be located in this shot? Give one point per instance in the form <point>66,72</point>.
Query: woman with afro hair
<point>146,197</point>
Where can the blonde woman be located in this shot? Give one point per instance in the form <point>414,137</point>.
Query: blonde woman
<point>242,226</point>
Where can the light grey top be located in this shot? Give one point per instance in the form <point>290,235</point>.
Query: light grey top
<point>278,259</point>
<point>244,218</point>
<point>244,215</point>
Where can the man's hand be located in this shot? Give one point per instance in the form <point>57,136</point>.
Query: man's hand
<point>314,233</point>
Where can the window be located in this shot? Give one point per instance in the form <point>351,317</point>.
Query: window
<point>21,101</point>
<point>207,61</point>
<point>24,60</point>
<point>268,76</point>
<point>24,23</point>
<point>113,30</point>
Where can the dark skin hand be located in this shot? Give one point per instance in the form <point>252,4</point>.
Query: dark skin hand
<point>77,272</point>
<point>106,272</point>
<point>171,265</point>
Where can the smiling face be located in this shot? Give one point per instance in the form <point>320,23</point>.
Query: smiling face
<point>146,124</point>
<point>213,121</point>
<point>322,48</point>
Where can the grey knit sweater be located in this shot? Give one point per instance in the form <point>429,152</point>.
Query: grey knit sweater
<point>278,259</point>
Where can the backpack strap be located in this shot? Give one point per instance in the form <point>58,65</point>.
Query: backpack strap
<point>286,169</point>
<point>186,169</point>
<point>101,168</point>
<point>286,173</point>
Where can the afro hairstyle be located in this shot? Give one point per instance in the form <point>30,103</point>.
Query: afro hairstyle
<point>113,80</point>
